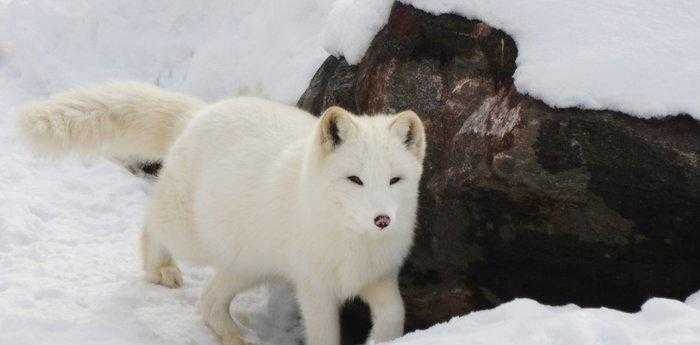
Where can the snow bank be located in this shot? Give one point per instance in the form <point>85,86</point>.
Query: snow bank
<point>639,57</point>
<point>210,48</point>
<point>525,322</point>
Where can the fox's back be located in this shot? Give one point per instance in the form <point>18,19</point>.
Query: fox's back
<point>244,136</point>
<point>252,121</point>
<point>240,159</point>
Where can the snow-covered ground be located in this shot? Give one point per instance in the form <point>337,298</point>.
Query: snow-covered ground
<point>525,322</point>
<point>69,271</point>
<point>69,268</point>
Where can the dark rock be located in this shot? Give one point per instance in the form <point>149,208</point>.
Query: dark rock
<point>519,199</point>
<point>333,83</point>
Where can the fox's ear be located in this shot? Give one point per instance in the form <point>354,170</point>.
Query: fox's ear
<point>409,128</point>
<point>335,127</point>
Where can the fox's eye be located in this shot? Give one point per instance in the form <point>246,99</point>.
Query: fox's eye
<point>356,180</point>
<point>394,180</point>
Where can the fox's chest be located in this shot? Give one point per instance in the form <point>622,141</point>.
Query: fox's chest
<point>368,264</point>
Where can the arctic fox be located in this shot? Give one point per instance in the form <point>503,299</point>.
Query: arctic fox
<point>261,191</point>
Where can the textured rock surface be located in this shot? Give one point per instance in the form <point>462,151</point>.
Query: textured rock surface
<point>520,199</point>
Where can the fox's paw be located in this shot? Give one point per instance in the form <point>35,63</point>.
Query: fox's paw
<point>217,317</point>
<point>231,339</point>
<point>168,276</point>
<point>221,323</point>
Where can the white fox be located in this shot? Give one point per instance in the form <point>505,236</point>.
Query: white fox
<point>261,191</point>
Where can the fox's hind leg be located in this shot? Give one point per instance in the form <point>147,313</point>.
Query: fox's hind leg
<point>158,264</point>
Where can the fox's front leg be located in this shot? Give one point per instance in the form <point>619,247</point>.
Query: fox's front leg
<point>215,303</point>
<point>386,307</point>
<point>320,312</point>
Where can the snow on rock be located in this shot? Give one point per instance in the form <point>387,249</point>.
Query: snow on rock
<point>639,57</point>
<point>352,24</point>
<point>694,300</point>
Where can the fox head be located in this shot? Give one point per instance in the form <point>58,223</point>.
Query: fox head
<point>366,170</point>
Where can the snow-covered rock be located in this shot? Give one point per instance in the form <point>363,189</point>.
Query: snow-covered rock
<point>638,57</point>
<point>520,199</point>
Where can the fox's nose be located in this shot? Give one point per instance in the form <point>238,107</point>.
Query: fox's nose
<point>382,221</point>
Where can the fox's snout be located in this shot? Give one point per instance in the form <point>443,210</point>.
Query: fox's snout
<point>382,221</point>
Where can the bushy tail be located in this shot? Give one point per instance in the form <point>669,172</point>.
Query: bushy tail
<point>119,120</point>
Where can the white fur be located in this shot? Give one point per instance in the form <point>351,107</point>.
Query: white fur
<point>259,190</point>
<point>125,120</point>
